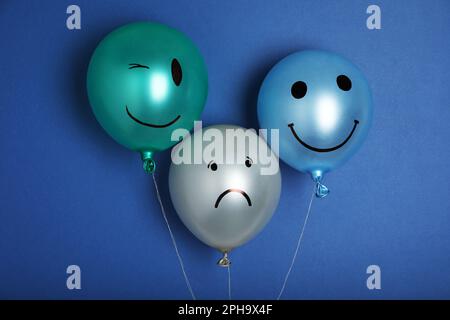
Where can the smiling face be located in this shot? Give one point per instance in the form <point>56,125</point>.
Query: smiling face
<point>144,81</point>
<point>321,103</point>
<point>224,205</point>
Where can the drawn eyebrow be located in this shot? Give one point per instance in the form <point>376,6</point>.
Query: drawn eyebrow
<point>137,65</point>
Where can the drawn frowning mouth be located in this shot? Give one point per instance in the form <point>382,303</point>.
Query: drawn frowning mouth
<point>291,126</point>
<point>151,124</point>
<point>223,194</point>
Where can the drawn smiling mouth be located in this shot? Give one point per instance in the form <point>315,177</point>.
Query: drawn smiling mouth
<point>291,126</point>
<point>223,194</point>
<point>151,124</point>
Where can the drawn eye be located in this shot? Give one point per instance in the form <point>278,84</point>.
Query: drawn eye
<point>212,165</point>
<point>137,65</point>
<point>344,83</point>
<point>177,73</point>
<point>248,162</point>
<point>298,89</point>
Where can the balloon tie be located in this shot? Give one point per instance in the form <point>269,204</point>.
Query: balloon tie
<point>148,164</point>
<point>299,241</point>
<point>224,261</point>
<point>180,260</point>
<point>321,190</point>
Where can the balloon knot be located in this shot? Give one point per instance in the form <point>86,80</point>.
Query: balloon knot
<point>149,164</point>
<point>224,261</point>
<point>321,190</point>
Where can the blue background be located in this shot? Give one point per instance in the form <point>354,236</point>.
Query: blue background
<point>71,195</point>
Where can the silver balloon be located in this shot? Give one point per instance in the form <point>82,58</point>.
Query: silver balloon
<point>224,205</point>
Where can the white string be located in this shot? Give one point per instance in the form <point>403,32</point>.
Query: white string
<point>229,282</point>
<point>298,245</point>
<point>180,260</point>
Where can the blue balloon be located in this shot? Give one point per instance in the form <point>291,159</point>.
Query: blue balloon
<point>322,105</point>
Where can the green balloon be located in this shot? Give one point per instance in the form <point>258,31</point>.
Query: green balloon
<point>145,80</point>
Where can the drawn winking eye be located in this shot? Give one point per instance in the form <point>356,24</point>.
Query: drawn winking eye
<point>137,65</point>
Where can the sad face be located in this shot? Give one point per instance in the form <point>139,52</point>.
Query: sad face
<point>223,204</point>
